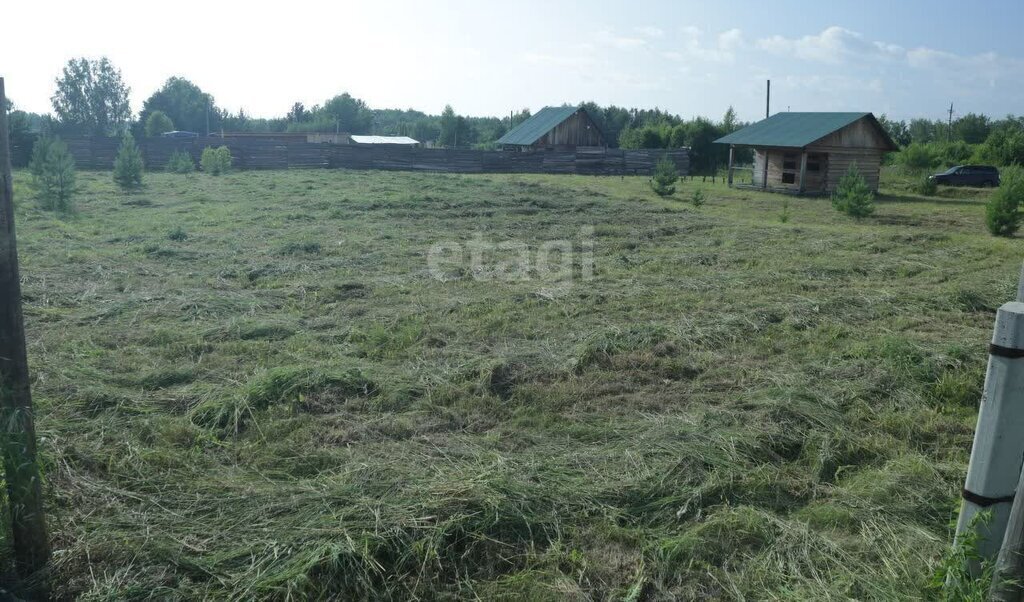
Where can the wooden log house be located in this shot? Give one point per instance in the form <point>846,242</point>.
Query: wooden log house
<point>555,128</point>
<point>807,153</point>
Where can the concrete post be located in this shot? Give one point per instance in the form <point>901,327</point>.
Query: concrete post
<point>998,450</point>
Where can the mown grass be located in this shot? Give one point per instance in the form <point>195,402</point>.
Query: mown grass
<point>251,386</point>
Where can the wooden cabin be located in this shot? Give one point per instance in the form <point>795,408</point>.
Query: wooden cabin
<point>807,153</point>
<point>554,128</point>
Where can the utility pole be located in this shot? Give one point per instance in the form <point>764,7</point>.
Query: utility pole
<point>768,101</point>
<point>949,125</point>
<point>21,471</point>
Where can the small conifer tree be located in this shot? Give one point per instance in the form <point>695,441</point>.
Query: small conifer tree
<point>53,174</point>
<point>853,196</point>
<point>128,164</point>
<point>665,176</point>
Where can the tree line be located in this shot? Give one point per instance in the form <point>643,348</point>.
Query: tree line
<point>91,98</point>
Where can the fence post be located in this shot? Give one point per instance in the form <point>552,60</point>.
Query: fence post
<point>998,451</point>
<point>17,428</point>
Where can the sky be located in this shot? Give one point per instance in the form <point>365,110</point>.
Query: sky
<point>902,58</point>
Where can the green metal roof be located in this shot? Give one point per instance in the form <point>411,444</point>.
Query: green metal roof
<point>530,131</point>
<point>797,130</point>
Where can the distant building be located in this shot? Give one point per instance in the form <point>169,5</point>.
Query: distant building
<point>384,140</point>
<point>554,128</point>
<point>809,152</point>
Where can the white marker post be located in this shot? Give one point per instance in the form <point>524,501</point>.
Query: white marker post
<point>998,450</point>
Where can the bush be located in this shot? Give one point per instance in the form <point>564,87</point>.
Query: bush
<point>215,161</point>
<point>157,123</point>
<point>698,198</point>
<point>180,162</point>
<point>53,174</point>
<point>664,178</point>
<point>918,156</point>
<point>926,187</point>
<point>128,164</point>
<point>852,196</point>
<point>1002,212</point>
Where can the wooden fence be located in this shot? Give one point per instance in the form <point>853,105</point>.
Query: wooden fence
<point>275,153</point>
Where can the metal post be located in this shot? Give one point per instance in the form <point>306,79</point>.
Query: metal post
<point>24,490</point>
<point>998,450</point>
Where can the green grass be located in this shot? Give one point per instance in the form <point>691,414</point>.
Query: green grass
<point>250,386</point>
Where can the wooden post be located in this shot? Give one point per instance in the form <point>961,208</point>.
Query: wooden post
<point>803,171</point>
<point>24,490</point>
<point>731,148</point>
<point>764,174</point>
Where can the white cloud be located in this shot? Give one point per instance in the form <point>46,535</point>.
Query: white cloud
<point>692,46</point>
<point>650,32</point>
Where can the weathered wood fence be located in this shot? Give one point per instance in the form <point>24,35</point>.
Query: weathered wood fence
<point>271,153</point>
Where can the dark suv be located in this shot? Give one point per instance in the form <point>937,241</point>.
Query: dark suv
<point>968,175</point>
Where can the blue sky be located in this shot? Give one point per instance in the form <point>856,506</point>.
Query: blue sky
<point>902,58</point>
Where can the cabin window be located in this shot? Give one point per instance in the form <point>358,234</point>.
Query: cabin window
<point>789,161</point>
<point>788,178</point>
<point>813,164</point>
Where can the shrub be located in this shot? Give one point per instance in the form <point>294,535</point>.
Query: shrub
<point>665,176</point>
<point>918,156</point>
<point>698,198</point>
<point>852,196</point>
<point>926,187</point>
<point>128,164</point>
<point>180,162</point>
<point>955,153</point>
<point>1002,212</point>
<point>157,123</point>
<point>215,161</point>
<point>53,174</point>
<point>178,234</point>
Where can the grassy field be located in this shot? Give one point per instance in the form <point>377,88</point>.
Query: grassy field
<point>253,386</point>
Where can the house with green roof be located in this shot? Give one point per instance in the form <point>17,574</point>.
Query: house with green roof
<point>807,153</point>
<point>554,128</point>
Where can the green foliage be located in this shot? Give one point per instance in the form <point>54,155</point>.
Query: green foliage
<point>180,162</point>
<point>454,129</point>
<point>784,214</point>
<point>918,156</point>
<point>664,178</point>
<point>215,161</point>
<point>185,104</point>
<point>697,198</point>
<point>1004,146</point>
<point>157,123</point>
<point>128,164</point>
<point>853,196</point>
<point>22,136</point>
<point>177,234</point>
<point>91,98</point>
<point>1002,211</point>
<point>897,130</point>
<point>953,580</point>
<point>53,174</point>
<point>926,187</point>
<point>347,114</point>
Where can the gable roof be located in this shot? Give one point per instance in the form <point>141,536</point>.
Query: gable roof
<point>531,130</point>
<point>797,130</point>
